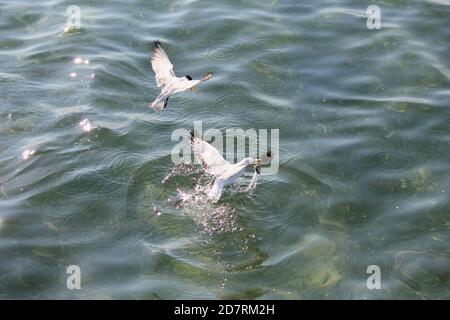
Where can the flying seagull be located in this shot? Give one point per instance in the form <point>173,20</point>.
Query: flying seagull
<point>166,79</point>
<point>224,172</point>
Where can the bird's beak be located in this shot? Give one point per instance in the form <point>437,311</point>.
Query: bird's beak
<point>207,76</point>
<point>193,89</point>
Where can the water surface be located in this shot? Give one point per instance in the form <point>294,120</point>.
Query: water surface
<point>364,150</point>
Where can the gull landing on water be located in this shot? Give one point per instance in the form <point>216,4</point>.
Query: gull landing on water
<point>166,79</point>
<point>224,172</point>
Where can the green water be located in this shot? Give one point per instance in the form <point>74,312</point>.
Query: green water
<point>364,150</point>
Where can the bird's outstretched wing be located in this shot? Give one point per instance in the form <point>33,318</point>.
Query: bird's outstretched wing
<point>209,157</point>
<point>161,65</point>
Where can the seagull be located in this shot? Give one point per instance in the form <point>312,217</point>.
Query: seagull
<point>224,172</point>
<point>166,79</point>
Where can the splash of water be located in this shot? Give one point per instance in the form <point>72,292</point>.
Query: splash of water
<point>252,185</point>
<point>196,204</point>
<point>222,234</point>
<point>182,169</point>
<point>204,181</point>
<point>243,187</point>
<point>213,219</point>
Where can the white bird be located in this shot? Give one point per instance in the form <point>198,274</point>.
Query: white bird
<point>224,172</point>
<point>166,79</point>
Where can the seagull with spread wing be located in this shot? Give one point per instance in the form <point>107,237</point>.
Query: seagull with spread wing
<point>166,79</point>
<point>224,172</point>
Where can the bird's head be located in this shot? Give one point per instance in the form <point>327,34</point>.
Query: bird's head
<point>189,78</point>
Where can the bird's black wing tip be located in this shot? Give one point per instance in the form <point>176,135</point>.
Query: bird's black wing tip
<point>193,134</point>
<point>165,103</point>
<point>157,44</point>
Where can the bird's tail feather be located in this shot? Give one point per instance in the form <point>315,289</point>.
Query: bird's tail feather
<point>159,104</point>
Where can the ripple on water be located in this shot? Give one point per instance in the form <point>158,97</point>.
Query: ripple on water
<point>222,48</point>
<point>391,161</point>
<point>421,271</point>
